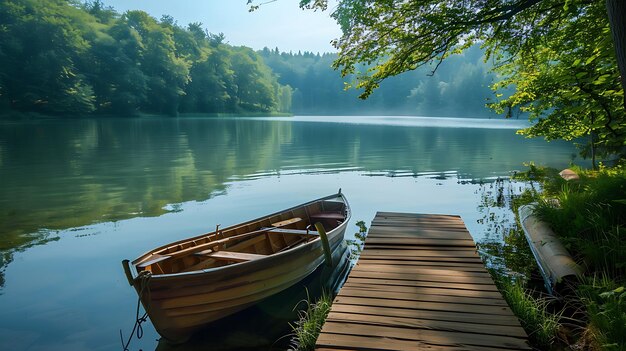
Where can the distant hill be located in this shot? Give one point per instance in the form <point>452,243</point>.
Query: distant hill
<point>459,87</point>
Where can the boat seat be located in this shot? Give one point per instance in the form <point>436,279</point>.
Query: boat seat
<point>294,231</point>
<point>287,222</point>
<point>329,215</point>
<point>230,255</point>
<point>154,258</point>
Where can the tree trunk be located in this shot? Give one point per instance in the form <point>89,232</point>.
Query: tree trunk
<point>592,133</point>
<point>593,151</point>
<point>616,10</point>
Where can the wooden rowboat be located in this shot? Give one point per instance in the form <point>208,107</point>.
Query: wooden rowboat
<point>190,283</point>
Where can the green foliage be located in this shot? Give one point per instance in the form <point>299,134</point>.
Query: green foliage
<point>590,218</point>
<point>356,246</point>
<point>307,328</point>
<point>39,49</point>
<point>459,88</point>
<point>568,81</point>
<point>252,78</point>
<point>510,261</point>
<point>557,55</point>
<point>535,172</point>
<point>398,36</point>
<point>605,303</point>
<point>63,58</point>
<point>534,313</point>
<point>504,247</point>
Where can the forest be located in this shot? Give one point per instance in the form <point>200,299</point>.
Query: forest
<point>66,58</point>
<point>460,87</point>
<point>74,59</point>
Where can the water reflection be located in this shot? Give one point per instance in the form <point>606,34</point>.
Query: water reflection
<point>69,173</point>
<point>72,293</point>
<point>61,174</point>
<point>98,191</point>
<point>266,326</point>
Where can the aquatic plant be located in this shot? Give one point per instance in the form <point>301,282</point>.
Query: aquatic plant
<point>510,261</point>
<point>356,245</point>
<point>589,215</point>
<point>307,328</point>
<point>536,317</point>
<point>604,301</point>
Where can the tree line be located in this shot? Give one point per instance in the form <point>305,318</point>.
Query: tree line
<point>459,88</point>
<point>61,57</point>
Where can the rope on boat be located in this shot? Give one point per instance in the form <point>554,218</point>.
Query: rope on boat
<point>144,279</point>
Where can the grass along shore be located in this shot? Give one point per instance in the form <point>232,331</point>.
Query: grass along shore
<point>589,217</point>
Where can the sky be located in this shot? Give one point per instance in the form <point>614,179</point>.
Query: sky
<point>279,24</point>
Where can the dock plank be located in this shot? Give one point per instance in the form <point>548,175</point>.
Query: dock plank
<point>453,326</point>
<point>444,270</point>
<point>473,267</point>
<point>493,321</point>
<point>419,284</point>
<point>403,240</point>
<point>424,290</point>
<point>449,305</point>
<point>432,337</point>
<point>413,296</point>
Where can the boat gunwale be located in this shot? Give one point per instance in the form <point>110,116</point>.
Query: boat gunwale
<point>257,262</point>
<point>133,264</point>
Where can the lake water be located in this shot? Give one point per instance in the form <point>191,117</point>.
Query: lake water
<point>78,196</point>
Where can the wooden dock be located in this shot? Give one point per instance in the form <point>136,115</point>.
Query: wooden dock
<point>420,285</point>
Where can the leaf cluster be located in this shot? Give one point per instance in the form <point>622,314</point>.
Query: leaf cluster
<point>567,80</point>
<point>399,36</point>
<point>557,54</point>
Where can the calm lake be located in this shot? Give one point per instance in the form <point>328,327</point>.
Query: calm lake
<point>78,196</point>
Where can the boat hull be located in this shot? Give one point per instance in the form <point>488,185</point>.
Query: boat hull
<point>182,303</point>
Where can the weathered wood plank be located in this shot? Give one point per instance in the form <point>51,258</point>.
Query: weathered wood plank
<point>418,215</point>
<point>411,225</point>
<point>409,253</point>
<point>420,284</point>
<point>452,266</point>
<point>451,326</point>
<point>433,337</point>
<point>286,222</point>
<point>328,341</point>
<point>423,283</point>
<point>431,278</point>
<point>468,260</point>
<point>233,256</point>
<point>432,258</point>
<point>439,271</point>
<point>426,305</point>
<point>372,343</point>
<point>349,291</point>
<point>458,251</point>
<point>450,316</point>
<point>444,220</point>
<point>403,240</point>
<point>376,286</point>
<point>475,267</point>
<point>436,231</point>
<point>426,234</point>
